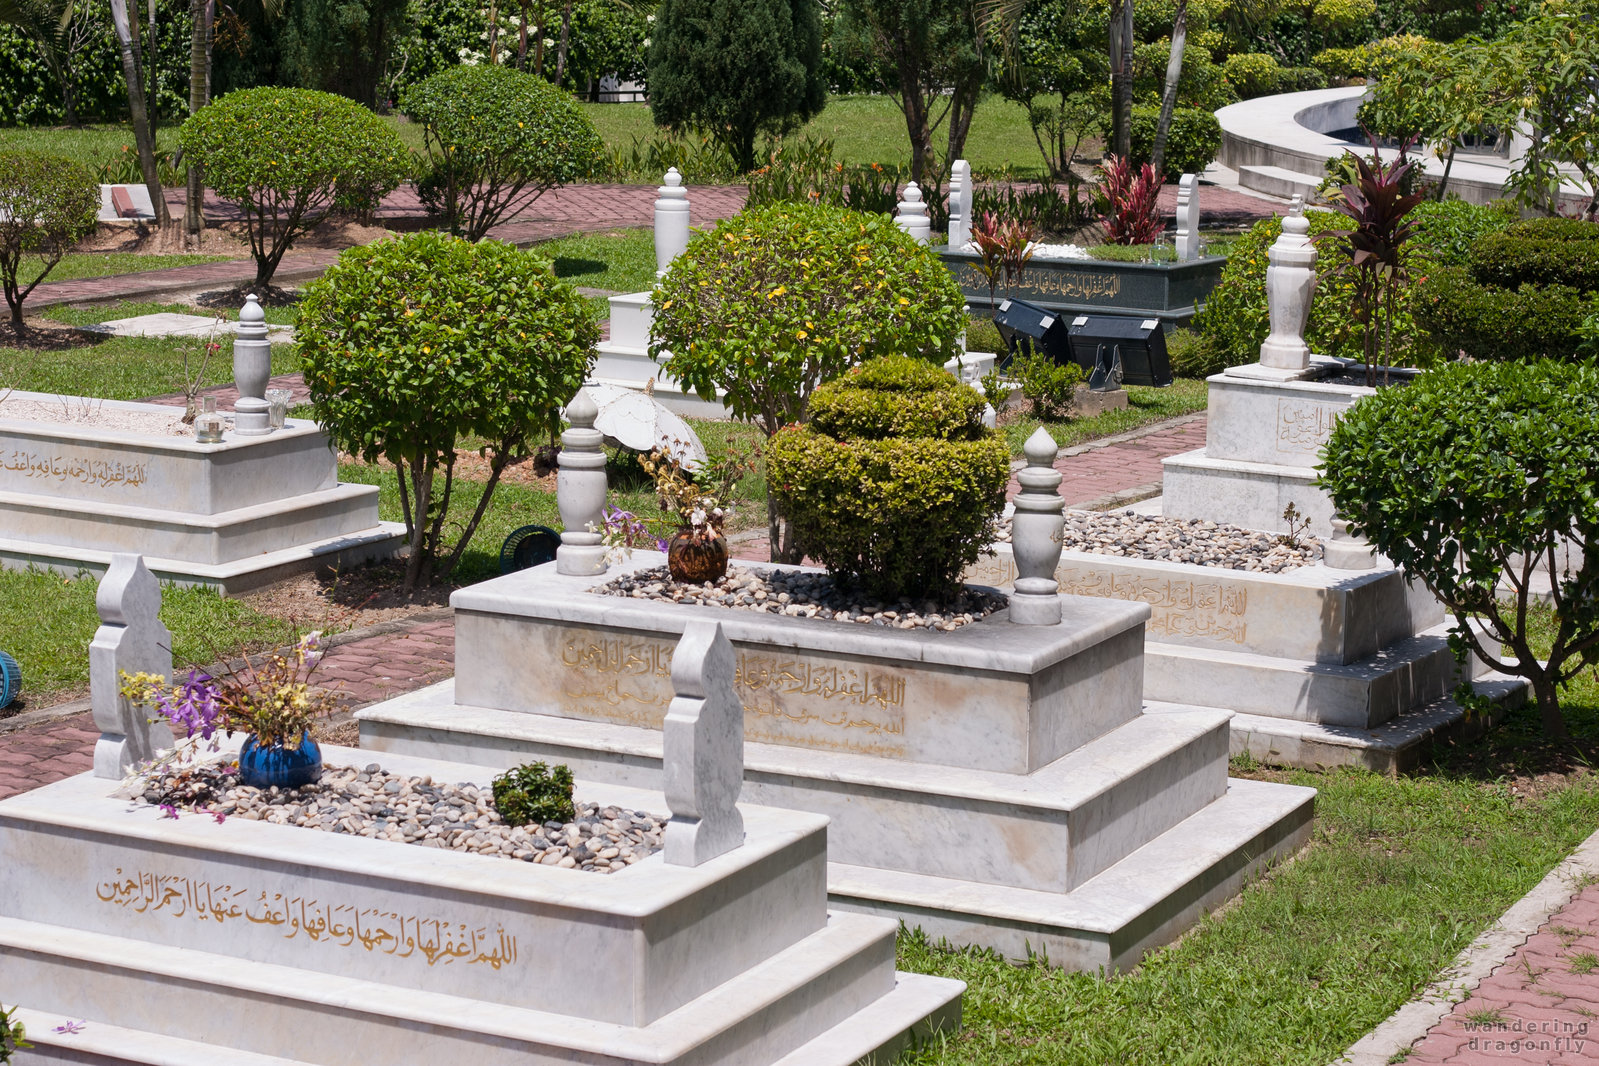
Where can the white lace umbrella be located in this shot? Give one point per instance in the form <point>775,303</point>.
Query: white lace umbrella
<point>631,419</point>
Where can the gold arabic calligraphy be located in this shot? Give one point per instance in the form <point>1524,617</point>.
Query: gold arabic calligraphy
<point>69,468</point>
<point>1074,284</point>
<point>343,925</point>
<point>1211,610</point>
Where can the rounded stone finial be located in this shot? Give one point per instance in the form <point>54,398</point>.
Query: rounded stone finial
<point>1040,448</point>
<point>582,411</point>
<point>251,314</point>
<point>913,193</point>
<point>673,178</point>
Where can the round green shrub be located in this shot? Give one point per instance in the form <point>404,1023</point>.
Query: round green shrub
<point>289,157</point>
<point>410,344</point>
<point>1447,230</point>
<point>1466,470</point>
<point>1251,74</point>
<point>496,139</point>
<point>1300,79</point>
<point>1525,324</point>
<point>1341,64</point>
<point>47,204</point>
<point>1193,355</point>
<point>1191,145</point>
<point>1554,229</point>
<point>778,299</point>
<point>895,485</point>
<point>1509,261</point>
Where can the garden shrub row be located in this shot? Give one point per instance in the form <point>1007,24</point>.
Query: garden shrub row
<point>1191,144</point>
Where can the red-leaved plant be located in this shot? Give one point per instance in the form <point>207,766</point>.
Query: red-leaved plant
<point>1373,248</point>
<point>1129,194</point>
<point>1002,247</point>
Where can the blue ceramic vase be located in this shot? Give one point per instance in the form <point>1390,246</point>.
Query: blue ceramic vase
<point>266,765</point>
<point>10,680</point>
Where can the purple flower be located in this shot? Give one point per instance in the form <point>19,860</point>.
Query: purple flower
<point>168,811</point>
<point>219,816</point>
<point>70,1027</point>
<point>192,705</point>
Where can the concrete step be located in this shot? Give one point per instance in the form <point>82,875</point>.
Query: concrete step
<point>1050,830</point>
<point>100,1044</point>
<point>1110,921</point>
<point>918,1006</point>
<point>1407,674</point>
<point>1279,181</point>
<point>762,1016</point>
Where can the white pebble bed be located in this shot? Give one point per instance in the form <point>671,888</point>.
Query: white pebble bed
<point>1182,540</point>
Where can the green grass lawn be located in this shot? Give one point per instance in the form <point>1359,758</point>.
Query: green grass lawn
<point>621,261</point>
<point>1400,875</point>
<point>94,146</point>
<point>119,368</point>
<point>88,316</point>
<point>1184,396</point>
<point>47,621</point>
<point>77,265</point>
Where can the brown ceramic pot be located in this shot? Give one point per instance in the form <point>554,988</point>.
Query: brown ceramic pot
<point>694,561</point>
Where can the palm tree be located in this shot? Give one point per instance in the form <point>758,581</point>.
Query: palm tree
<point>144,139</point>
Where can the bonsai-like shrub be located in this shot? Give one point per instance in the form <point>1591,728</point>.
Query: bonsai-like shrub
<point>1479,472</point>
<point>497,139</point>
<point>1191,145</point>
<point>288,157</point>
<point>47,204</point>
<point>895,485</point>
<point>412,343</point>
<point>778,299</point>
<point>534,793</point>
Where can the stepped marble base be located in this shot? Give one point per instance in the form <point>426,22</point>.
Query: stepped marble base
<point>297,946</point>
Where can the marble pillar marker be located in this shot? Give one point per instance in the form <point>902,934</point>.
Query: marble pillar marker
<point>912,214</point>
<point>1188,217</point>
<point>580,491</point>
<point>131,638</point>
<point>1037,530</point>
<point>960,205</point>
<point>671,221</point>
<point>702,743</point>
<point>252,366</point>
<point>1290,282</point>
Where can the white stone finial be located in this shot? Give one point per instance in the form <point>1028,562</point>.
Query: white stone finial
<point>1290,281</point>
<point>130,639</point>
<point>580,491</point>
<point>252,367</point>
<point>1037,527</point>
<point>960,204</point>
<point>912,214</point>
<point>671,221</point>
<point>1187,243</point>
<point>702,743</point>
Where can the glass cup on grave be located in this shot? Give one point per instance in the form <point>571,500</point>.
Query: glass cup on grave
<point>208,426</point>
<point>278,412</point>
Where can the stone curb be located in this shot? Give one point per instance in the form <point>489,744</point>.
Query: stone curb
<point>61,711</point>
<point>1481,958</point>
<point>1120,499</point>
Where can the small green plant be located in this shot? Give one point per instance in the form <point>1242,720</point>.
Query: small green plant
<point>288,158</point>
<point>996,390</point>
<point>1297,524</point>
<point>1486,1016</point>
<point>496,140</point>
<point>1584,963</point>
<point>1050,388</point>
<point>894,485</point>
<point>534,793</point>
<point>13,1037</point>
<point>47,204</point>
<point>412,343</point>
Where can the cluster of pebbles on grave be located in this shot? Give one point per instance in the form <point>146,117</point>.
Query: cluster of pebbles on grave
<point>1182,540</point>
<point>373,803</point>
<point>803,594</point>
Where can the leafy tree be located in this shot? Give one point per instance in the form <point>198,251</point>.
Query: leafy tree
<point>342,46</point>
<point>60,30</point>
<point>1048,73</point>
<point>288,157</point>
<point>134,72</point>
<point>930,55</point>
<point>777,300</point>
<point>735,67</point>
<point>1479,473</point>
<point>608,37</point>
<point>497,139</point>
<point>47,204</point>
<point>412,343</point>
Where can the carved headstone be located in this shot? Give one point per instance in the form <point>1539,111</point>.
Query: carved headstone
<point>252,366</point>
<point>960,205</point>
<point>1188,217</point>
<point>580,491</point>
<point>671,221</point>
<point>1037,530</point>
<point>130,639</point>
<point>1290,279</point>
<point>703,748</point>
<point>912,214</point>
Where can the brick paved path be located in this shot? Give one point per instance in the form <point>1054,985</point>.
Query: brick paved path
<point>1096,470</point>
<point>1539,1008</point>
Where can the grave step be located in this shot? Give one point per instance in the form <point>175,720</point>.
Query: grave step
<point>761,1016</point>
<point>1279,181</point>
<point>1406,674</point>
<point>917,1007</point>
<point>1144,901</point>
<point>100,1044</point>
<point>1049,830</point>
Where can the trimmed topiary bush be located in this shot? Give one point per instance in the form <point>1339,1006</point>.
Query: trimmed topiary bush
<point>1509,261</point>
<point>534,793</point>
<point>895,485</point>
<point>1251,74</point>
<point>496,140</point>
<point>288,157</point>
<point>47,204</point>
<point>1475,472</point>
<point>410,344</point>
<point>1191,146</point>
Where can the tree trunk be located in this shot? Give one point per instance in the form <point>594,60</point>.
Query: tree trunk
<point>1121,76</point>
<point>199,96</point>
<point>128,46</point>
<point>1168,99</point>
<point>566,37</point>
<point>521,39</point>
<point>1548,694</point>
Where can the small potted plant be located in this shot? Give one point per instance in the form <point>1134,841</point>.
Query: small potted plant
<point>700,502</point>
<point>273,701</point>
